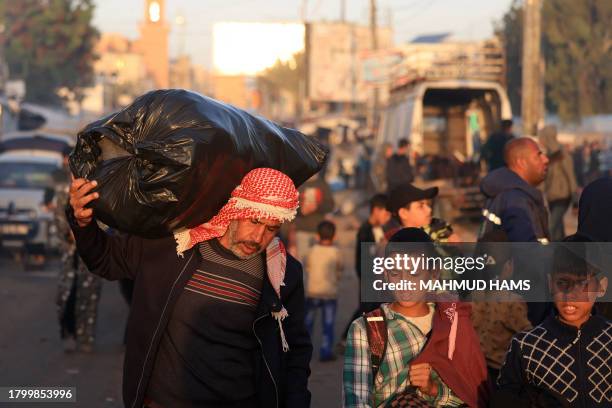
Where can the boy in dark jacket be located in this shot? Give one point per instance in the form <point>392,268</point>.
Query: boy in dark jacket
<point>566,359</point>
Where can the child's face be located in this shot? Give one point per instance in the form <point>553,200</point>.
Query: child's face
<point>409,298</point>
<point>574,296</point>
<point>416,214</point>
<point>380,216</point>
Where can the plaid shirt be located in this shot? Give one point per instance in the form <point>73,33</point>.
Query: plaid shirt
<point>405,342</point>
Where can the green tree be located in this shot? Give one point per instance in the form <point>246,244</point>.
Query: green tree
<point>576,44</point>
<point>510,32</point>
<point>50,45</point>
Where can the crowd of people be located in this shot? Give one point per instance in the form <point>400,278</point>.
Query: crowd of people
<point>222,315</point>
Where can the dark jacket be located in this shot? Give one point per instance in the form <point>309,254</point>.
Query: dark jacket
<point>160,277</point>
<point>594,219</point>
<point>398,171</point>
<point>562,361</point>
<point>515,206</point>
<point>594,210</point>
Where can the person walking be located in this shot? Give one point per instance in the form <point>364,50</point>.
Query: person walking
<point>515,206</point>
<point>370,232</point>
<point>323,268</point>
<point>217,318</point>
<point>398,169</point>
<point>78,290</point>
<point>560,183</point>
<point>513,203</point>
<point>493,149</point>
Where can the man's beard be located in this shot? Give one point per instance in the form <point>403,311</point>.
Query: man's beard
<point>233,244</point>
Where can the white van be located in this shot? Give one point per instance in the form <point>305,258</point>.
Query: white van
<point>446,123</point>
<point>435,116</point>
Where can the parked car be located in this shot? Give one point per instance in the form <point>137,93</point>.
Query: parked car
<point>27,190</point>
<point>36,140</point>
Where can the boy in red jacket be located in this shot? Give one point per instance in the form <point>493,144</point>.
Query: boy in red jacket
<point>414,353</point>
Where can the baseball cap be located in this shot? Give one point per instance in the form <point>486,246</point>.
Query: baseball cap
<point>404,194</point>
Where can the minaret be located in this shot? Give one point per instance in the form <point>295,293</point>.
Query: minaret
<point>153,43</point>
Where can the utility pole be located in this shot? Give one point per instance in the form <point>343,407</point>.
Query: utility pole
<point>343,11</point>
<point>533,85</point>
<point>374,40</point>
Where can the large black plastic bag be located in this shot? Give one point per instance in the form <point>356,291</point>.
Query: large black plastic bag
<point>172,158</point>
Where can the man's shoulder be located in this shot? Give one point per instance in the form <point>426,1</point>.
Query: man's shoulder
<point>293,266</point>
<point>164,246</point>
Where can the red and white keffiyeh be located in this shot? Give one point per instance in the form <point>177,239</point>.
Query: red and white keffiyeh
<point>263,193</point>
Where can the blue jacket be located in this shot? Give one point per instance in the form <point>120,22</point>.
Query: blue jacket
<point>159,278</point>
<point>515,206</point>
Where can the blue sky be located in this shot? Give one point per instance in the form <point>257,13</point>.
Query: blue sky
<point>467,19</point>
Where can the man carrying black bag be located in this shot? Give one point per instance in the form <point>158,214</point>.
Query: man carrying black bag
<point>217,318</point>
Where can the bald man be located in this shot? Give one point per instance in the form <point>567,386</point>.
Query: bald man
<point>517,207</point>
<point>514,204</point>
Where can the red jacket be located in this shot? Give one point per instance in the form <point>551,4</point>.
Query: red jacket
<point>466,373</point>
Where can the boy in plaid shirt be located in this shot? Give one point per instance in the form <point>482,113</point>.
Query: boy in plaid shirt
<point>565,361</point>
<point>415,363</point>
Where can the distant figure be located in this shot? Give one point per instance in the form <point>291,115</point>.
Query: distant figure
<point>474,126</point>
<point>371,231</point>
<point>493,149</point>
<point>399,170</point>
<point>586,164</point>
<point>560,183</point>
<point>78,290</point>
<point>323,269</point>
<point>379,167</point>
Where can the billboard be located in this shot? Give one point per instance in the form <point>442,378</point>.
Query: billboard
<point>334,63</point>
<point>249,48</point>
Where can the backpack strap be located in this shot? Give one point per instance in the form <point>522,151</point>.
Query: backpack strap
<point>376,329</point>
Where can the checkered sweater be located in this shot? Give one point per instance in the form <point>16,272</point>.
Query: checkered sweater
<point>405,342</point>
<point>560,360</point>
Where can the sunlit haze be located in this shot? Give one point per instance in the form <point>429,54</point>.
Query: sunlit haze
<point>247,48</point>
<point>466,19</point>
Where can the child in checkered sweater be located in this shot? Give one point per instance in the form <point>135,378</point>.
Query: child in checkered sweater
<point>413,357</point>
<point>566,360</point>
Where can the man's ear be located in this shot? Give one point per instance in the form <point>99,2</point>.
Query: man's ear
<point>403,212</point>
<point>603,286</point>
